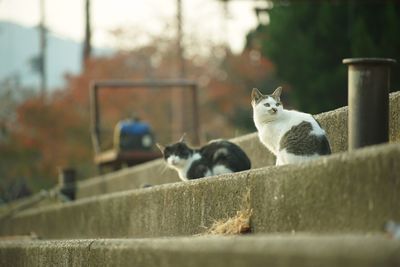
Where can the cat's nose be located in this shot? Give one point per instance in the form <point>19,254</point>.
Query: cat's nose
<point>274,110</point>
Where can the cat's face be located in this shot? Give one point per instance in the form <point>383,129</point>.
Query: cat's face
<point>267,106</point>
<point>177,155</point>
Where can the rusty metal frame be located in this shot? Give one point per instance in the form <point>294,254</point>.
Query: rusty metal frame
<point>126,84</point>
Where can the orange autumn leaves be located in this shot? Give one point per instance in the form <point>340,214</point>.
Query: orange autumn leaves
<point>57,131</point>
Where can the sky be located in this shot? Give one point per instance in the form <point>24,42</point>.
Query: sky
<point>203,19</point>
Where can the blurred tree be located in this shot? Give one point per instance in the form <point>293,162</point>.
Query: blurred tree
<point>307,41</point>
<point>44,136</point>
<point>231,84</point>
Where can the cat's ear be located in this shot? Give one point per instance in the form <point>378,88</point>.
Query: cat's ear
<point>256,95</point>
<point>182,139</point>
<point>277,93</point>
<point>161,147</point>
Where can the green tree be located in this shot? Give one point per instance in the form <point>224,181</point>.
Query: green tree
<point>308,40</point>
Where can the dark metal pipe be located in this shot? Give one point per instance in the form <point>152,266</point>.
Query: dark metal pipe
<point>368,100</point>
<point>124,84</point>
<point>95,118</point>
<point>196,127</point>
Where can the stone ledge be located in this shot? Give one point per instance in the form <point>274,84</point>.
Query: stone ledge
<point>334,122</point>
<point>264,250</point>
<point>348,192</point>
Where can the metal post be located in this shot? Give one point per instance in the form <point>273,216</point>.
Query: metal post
<point>95,115</point>
<point>179,96</point>
<point>181,58</point>
<point>67,183</point>
<point>368,100</point>
<point>196,130</point>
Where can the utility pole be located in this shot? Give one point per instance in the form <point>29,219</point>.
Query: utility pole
<point>182,70</point>
<point>179,108</point>
<point>43,47</point>
<point>87,48</point>
<point>225,27</point>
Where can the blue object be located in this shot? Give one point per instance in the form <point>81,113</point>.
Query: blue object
<point>134,128</point>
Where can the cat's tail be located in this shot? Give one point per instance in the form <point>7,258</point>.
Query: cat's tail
<point>232,156</point>
<point>221,153</point>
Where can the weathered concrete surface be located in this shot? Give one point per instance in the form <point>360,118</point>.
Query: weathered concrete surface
<point>334,122</point>
<point>275,250</point>
<point>349,192</point>
<point>344,192</point>
<point>153,172</point>
<point>394,117</point>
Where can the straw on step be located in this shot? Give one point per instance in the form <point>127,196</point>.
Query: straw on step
<point>238,224</point>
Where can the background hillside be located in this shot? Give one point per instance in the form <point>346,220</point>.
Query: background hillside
<point>19,45</point>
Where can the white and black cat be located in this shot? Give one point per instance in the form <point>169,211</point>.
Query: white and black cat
<point>217,157</point>
<point>292,136</point>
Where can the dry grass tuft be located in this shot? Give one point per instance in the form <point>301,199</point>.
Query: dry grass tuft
<point>238,224</point>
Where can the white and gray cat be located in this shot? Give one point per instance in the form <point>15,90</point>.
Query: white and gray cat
<point>292,136</point>
<point>216,157</point>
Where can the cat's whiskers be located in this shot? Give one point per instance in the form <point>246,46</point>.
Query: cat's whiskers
<point>164,168</point>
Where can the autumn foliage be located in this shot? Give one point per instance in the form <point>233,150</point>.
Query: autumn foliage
<point>56,132</point>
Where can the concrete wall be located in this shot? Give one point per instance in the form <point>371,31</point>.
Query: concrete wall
<point>153,172</point>
<point>334,122</point>
<point>348,192</point>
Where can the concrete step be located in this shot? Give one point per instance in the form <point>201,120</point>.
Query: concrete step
<point>347,192</point>
<point>334,122</point>
<point>264,250</point>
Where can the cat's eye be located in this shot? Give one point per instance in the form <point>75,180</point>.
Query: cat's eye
<point>267,105</point>
<point>278,104</point>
